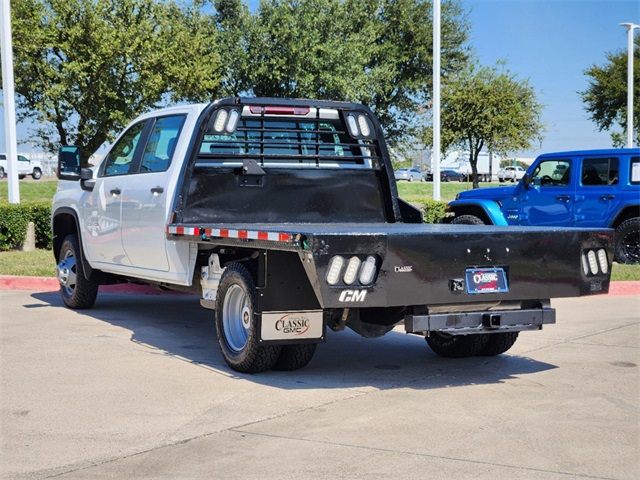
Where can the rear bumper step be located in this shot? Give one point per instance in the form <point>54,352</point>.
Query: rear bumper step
<point>481,322</point>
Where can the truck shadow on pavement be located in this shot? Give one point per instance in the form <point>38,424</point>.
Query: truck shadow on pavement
<point>176,326</point>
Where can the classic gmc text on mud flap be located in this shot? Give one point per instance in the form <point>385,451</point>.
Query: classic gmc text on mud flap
<point>283,215</point>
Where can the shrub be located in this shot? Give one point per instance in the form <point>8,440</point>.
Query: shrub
<point>14,220</point>
<point>434,211</point>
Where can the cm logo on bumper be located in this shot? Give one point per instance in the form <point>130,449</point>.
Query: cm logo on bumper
<point>352,295</point>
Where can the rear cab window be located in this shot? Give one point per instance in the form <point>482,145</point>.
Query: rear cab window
<point>318,138</point>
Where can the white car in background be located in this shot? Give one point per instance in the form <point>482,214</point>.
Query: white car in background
<point>25,167</point>
<point>511,174</point>
<point>409,174</point>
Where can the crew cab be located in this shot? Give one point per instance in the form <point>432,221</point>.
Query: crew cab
<point>284,217</point>
<point>592,188</point>
<point>25,167</point>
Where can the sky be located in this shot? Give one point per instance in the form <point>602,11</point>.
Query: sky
<point>550,43</point>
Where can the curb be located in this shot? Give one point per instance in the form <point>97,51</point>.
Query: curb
<point>50,284</point>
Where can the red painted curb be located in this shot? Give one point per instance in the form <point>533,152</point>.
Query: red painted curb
<point>47,284</point>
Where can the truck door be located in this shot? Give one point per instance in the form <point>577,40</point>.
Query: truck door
<point>145,197</point>
<point>549,201</point>
<point>101,209</point>
<point>597,194</point>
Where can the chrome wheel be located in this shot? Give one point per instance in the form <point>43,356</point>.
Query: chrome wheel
<point>236,317</point>
<point>66,272</point>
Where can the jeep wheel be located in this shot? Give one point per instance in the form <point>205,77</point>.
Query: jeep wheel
<point>468,220</point>
<point>498,343</point>
<point>628,241</point>
<point>77,292</point>
<point>237,323</point>
<point>456,346</point>
<point>37,174</point>
<point>294,357</point>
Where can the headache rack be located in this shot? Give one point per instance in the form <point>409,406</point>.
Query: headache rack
<point>289,137</point>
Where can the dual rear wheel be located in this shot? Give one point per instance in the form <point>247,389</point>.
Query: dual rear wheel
<point>237,329</point>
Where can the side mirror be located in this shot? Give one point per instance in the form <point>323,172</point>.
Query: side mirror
<point>526,181</point>
<point>86,179</point>
<point>69,163</point>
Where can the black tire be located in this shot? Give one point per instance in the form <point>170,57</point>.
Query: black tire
<point>1,173</point>
<point>295,357</point>
<point>21,177</point>
<point>501,180</point>
<point>77,292</point>
<point>37,174</point>
<point>468,220</point>
<point>628,241</point>
<point>498,343</point>
<point>237,323</point>
<point>456,346</point>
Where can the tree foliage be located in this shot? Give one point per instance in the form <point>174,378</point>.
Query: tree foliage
<point>85,68</point>
<point>606,97</point>
<point>484,108</point>
<point>377,52</point>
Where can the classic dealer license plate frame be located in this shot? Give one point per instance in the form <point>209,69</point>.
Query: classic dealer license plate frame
<point>486,280</point>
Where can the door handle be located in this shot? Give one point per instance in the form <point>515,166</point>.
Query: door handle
<point>607,197</point>
<point>563,197</point>
<point>157,190</point>
<point>115,191</point>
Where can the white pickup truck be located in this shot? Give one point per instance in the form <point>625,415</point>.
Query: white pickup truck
<point>25,167</point>
<point>284,216</point>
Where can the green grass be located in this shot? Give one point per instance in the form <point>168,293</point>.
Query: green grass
<point>39,263</point>
<point>420,192</point>
<point>30,190</point>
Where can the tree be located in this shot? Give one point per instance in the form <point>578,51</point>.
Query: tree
<point>85,68</point>
<point>377,52</point>
<point>606,97</point>
<point>484,108</point>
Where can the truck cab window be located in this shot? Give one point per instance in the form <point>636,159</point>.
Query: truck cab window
<point>162,143</point>
<point>121,155</point>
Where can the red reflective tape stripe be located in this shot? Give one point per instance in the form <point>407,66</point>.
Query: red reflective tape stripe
<point>242,234</point>
<point>224,233</point>
<point>179,230</point>
<point>207,232</point>
<point>263,236</point>
<point>284,237</point>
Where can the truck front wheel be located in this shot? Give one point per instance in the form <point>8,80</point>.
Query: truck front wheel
<point>628,241</point>
<point>77,292</point>
<point>237,323</point>
<point>456,346</point>
<point>36,174</point>
<point>498,343</point>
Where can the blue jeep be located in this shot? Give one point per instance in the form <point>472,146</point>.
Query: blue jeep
<point>591,188</point>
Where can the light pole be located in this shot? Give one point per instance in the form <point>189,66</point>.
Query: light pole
<point>631,27</point>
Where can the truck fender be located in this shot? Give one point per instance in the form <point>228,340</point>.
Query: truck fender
<point>64,221</point>
<point>487,210</point>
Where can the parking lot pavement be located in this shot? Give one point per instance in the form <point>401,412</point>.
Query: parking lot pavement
<point>136,388</point>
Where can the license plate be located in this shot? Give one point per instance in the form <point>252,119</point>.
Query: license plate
<point>486,280</point>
